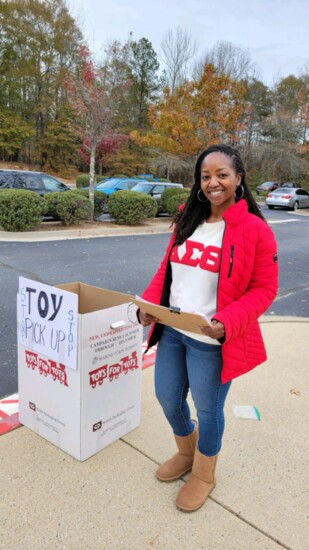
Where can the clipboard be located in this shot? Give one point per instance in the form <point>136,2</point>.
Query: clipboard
<point>173,317</point>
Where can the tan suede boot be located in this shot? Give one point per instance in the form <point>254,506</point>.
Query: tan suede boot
<point>201,482</point>
<point>182,461</point>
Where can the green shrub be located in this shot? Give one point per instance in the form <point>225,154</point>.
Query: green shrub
<point>119,176</point>
<point>99,200</point>
<point>131,207</point>
<point>20,210</point>
<point>68,207</point>
<point>101,178</point>
<point>174,201</point>
<point>172,192</point>
<point>82,181</point>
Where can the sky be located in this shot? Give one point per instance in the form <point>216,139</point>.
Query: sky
<point>274,32</point>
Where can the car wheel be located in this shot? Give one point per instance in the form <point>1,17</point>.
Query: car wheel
<point>271,207</point>
<point>295,205</point>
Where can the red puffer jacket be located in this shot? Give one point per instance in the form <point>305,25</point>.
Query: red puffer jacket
<point>248,283</point>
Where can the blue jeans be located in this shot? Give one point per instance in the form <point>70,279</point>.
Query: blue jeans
<point>183,363</point>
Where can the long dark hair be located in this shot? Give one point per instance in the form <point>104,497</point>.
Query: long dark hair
<point>196,212</point>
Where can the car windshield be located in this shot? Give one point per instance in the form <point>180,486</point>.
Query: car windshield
<point>107,184</point>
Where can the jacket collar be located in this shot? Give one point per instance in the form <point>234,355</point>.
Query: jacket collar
<point>235,213</point>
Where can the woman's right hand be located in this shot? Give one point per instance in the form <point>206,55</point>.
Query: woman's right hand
<point>146,319</point>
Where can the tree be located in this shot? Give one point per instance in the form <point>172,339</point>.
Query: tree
<point>178,48</point>
<point>59,143</point>
<point>198,113</point>
<point>110,144</point>
<point>13,131</point>
<point>94,102</point>
<point>168,165</point>
<point>117,76</point>
<point>279,154</point>
<point>286,93</point>
<point>130,161</point>
<point>281,162</point>
<point>135,62</point>
<point>145,83</point>
<point>228,59</point>
<point>259,106</point>
<point>38,45</point>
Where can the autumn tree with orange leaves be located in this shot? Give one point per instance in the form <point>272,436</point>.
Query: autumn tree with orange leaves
<point>199,113</point>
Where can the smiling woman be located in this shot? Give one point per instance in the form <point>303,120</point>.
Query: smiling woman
<point>221,262</point>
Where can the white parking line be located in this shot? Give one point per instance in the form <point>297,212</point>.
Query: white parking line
<point>283,221</point>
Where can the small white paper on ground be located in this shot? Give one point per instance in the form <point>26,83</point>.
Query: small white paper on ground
<point>246,411</point>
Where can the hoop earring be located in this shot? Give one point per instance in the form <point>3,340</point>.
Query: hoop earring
<point>198,196</point>
<point>242,192</point>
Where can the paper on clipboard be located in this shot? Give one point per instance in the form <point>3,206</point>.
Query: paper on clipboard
<point>173,317</point>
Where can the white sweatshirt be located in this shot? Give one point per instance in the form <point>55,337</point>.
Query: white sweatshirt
<point>195,271</point>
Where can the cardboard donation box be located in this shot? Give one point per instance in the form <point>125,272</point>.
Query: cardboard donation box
<point>79,365</point>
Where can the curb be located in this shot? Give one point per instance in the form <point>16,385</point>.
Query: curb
<point>34,236</point>
<point>282,319</point>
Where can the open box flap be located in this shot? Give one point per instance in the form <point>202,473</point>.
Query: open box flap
<point>92,298</point>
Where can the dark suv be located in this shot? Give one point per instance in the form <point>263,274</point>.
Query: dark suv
<point>32,181</point>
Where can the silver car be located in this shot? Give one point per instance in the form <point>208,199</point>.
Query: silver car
<point>288,198</point>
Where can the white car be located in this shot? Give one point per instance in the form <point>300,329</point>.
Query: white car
<point>286,197</point>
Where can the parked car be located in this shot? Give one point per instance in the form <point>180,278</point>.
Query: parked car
<point>39,182</point>
<point>266,187</point>
<point>115,184</point>
<point>155,189</point>
<point>285,197</point>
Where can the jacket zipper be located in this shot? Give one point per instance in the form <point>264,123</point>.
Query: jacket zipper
<point>231,261</point>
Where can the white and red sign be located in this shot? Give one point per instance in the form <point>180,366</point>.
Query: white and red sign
<point>48,321</point>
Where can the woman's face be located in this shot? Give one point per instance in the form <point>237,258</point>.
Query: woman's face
<point>219,181</point>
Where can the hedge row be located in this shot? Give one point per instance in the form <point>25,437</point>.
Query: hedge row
<point>24,210</point>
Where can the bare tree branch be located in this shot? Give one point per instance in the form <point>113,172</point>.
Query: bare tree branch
<point>228,59</point>
<point>178,47</point>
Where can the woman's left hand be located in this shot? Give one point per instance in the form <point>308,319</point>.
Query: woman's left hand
<point>215,330</point>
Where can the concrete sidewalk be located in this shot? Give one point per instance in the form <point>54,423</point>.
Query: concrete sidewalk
<point>113,501</point>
